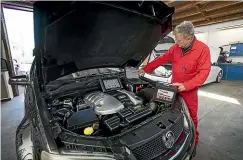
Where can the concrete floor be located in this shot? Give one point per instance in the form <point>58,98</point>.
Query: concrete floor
<point>220,122</point>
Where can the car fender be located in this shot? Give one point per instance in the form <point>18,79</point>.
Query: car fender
<point>217,70</point>
<point>23,141</point>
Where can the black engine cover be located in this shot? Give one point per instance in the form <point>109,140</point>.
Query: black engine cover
<point>81,119</point>
<point>130,114</point>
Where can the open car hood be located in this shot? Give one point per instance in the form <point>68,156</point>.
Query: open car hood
<point>74,36</point>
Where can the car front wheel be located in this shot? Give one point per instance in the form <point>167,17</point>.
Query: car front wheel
<point>219,77</point>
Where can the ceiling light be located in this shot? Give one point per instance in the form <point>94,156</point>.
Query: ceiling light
<point>196,32</point>
<point>230,27</point>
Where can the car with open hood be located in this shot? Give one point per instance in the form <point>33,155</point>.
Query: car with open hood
<point>78,108</point>
<point>164,72</point>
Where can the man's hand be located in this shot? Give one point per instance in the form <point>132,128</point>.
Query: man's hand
<point>179,86</point>
<point>141,72</point>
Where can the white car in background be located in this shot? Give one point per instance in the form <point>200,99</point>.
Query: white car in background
<point>25,65</point>
<point>164,72</point>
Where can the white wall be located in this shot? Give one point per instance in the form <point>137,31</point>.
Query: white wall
<point>214,37</point>
<point>211,36</point>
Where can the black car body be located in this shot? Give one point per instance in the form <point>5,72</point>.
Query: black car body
<point>78,108</point>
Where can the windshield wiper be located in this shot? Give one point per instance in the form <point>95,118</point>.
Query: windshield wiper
<point>53,87</point>
<point>85,80</point>
<point>59,85</point>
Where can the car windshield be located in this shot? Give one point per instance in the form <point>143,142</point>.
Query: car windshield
<point>164,70</point>
<point>89,72</point>
<point>75,78</point>
<point>159,52</point>
<point>167,39</point>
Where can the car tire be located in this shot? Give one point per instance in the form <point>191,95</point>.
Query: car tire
<point>219,77</point>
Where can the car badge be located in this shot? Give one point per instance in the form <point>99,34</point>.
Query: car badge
<point>169,139</point>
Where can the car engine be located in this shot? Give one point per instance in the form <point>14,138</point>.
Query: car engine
<point>102,113</point>
<point>103,104</point>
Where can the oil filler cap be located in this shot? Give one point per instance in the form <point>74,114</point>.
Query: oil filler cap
<point>88,131</point>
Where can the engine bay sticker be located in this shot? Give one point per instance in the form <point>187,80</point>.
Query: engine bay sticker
<point>164,95</point>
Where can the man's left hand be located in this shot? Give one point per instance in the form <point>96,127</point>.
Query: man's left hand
<point>179,86</point>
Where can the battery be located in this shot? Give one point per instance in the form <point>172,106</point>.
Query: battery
<point>164,92</point>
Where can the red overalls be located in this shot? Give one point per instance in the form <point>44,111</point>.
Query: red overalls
<point>191,69</point>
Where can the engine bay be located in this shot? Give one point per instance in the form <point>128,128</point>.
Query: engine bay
<point>108,111</point>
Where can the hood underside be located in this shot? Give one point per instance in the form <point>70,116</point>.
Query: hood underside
<point>74,36</point>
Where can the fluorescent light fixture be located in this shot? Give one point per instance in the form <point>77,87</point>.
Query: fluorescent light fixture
<point>236,42</point>
<point>230,27</point>
<point>219,97</point>
<point>196,32</point>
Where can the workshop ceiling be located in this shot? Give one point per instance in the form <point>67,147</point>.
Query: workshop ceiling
<point>201,13</point>
<point>204,12</point>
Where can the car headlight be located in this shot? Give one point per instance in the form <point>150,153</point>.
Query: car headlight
<point>185,110</point>
<point>49,156</point>
<point>186,125</point>
<point>186,115</point>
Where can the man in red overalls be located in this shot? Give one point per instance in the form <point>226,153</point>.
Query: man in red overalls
<point>191,64</point>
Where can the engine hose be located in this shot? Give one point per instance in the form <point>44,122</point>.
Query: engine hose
<point>67,114</point>
<point>65,109</point>
<point>56,105</point>
<point>152,105</point>
<point>67,106</point>
<point>60,114</point>
<point>57,118</point>
<point>64,120</point>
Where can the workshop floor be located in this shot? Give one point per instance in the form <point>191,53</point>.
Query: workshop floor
<point>220,122</point>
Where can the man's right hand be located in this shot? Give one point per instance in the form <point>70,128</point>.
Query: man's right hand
<point>141,72</point>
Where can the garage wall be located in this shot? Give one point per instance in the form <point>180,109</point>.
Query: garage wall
<point>6,89</point>
<point>213,36</point>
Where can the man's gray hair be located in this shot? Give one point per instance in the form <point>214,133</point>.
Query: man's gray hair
<point>185,28</point>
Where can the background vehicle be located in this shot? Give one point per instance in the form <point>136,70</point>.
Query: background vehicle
<point>24,67</point>
<point>76,108</point>
<point>164,72</point>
